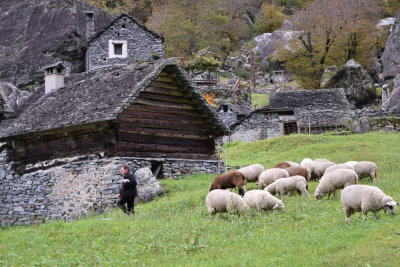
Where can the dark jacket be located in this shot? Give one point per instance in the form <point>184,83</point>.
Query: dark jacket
<point>131,185</point>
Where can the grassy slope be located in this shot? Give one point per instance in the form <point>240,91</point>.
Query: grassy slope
<point>262,99</point>
<point>306,233</point>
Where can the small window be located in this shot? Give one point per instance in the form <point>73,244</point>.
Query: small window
<point>123,26</point>
<point>117,49</point>
<point>59,70</point>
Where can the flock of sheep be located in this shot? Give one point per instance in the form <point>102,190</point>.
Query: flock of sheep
<point>287,177</point>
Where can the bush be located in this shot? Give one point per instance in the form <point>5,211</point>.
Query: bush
<point>379,91</point>
<point>242,73</point>
<point>269,19</point>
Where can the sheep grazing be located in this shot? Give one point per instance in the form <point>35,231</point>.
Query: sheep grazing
<point>334,180</point>
<point>366,198</point>
<point>338,167</point>
<point>229,180</point>
<point>293,164</point>
<point>320,165</point>
<point>271,175</point>
<point>283,165</point>
<point>252,172</point>
<point>293,171</point>
<point>262,200</point>
<point>219,200</point>
<point>365,169</point>
<point>283,185</point>
<point>308,164</point>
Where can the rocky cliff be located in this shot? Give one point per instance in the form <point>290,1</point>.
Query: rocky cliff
<point>38,33</point>
<point>391,56</point>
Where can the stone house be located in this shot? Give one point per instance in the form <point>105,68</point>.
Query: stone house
<point>62,152</point>
<point>123,42</point>
<point>302,111</point>
<point>231,113</point>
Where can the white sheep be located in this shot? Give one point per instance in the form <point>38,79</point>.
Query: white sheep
<point>262,200</point>
<point>269,176</point>
<point>320,165</point>
<point>365,169</point>
<point>219,200</point>
<point>283,185</point>
<point>366,198</point>
<point>337,167</point>
<point>308,164</point>
<point>293,164</point>
<point>337,179</point>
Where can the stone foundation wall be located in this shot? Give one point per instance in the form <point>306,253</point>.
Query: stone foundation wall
<point>77,186</point>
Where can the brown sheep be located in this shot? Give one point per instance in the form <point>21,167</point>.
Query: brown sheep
<point>229,180</point>
<point>293,171</point>
<point>282,165</point>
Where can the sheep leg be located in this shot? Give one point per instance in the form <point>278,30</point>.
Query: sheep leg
<point>364,212</point>
<point>348,212</point>
<point>372,176</point>
<point>329,195</point>
<point>282,193</point>
<point>305,192</point>
<point>212,214</point>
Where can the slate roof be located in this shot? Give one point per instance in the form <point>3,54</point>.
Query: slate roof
<point>98,96</point>
<point>129,17</point>
<point>5,107</point>
<point>239,109</point>
<point>310,99</point>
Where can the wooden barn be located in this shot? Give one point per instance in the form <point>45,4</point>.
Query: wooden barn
<point>140,110</point>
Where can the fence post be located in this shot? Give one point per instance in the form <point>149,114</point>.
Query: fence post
<point>219,171</point>
<point>309,126</point>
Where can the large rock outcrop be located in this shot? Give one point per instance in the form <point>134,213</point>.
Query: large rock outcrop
<point>356,82</point>
<point>38,33</point>
<point>391,56</point>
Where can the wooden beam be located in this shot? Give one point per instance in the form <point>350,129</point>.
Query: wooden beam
<point>164,79</point>
<point>195,156</point>
<point>160,116</point>
<point>162,104</point>
<point>168,99</point>
<point>166,133</point>
<point>164,85</point>
<point>163,91</point>
<point>152,123</point>
<point>167,110</point>
<point>169,141</point>
<point>138,147</point>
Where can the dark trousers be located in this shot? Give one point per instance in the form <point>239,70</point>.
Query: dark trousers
<point>127,199</point>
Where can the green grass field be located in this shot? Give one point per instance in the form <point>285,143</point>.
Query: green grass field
<point>261,99</point>
<point>176,230</point>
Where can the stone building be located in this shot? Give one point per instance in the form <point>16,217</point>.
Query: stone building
<point>302,111</point>
<point>62,152</point>
<point>123,42</point>
<point>231,113</point>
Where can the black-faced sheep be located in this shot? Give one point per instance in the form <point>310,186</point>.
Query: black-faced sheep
<point>269,176</point>
<point>262,200</point>
<point>334,180</point>
<point>284,185</point>
<point>219,200</point>
<point>366,198</point>
<point>229,180</point>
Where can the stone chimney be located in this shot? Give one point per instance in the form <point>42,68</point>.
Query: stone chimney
<point>89,25</point>
<point>54,77</point>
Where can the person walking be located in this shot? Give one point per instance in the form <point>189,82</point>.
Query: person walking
<point>128,191</point>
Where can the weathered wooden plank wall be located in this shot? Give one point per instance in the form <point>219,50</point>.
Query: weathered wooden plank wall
<point>165,121</point>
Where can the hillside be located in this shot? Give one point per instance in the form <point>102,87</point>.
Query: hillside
<point>177,231</point>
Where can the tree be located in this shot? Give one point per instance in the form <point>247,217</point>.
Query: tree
<point>329,32</point>
<point>269,19</point>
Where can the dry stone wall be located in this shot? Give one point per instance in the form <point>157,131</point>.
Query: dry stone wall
<point>80,185</point>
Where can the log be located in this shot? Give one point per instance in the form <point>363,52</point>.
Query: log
<point>168,99</point>
<point>167,110</point>
<point>137,147</point>
<point>160,116</point>
<point>173,141</point>
<point>164,91</point>
<point>165,132</point>
<point>152,123</point>
<point>194,156</point>
<point>162,104</point>
<point>165,85</point>
<point>164,79</point>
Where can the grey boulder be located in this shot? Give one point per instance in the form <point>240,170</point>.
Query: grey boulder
<point>148,187</point>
